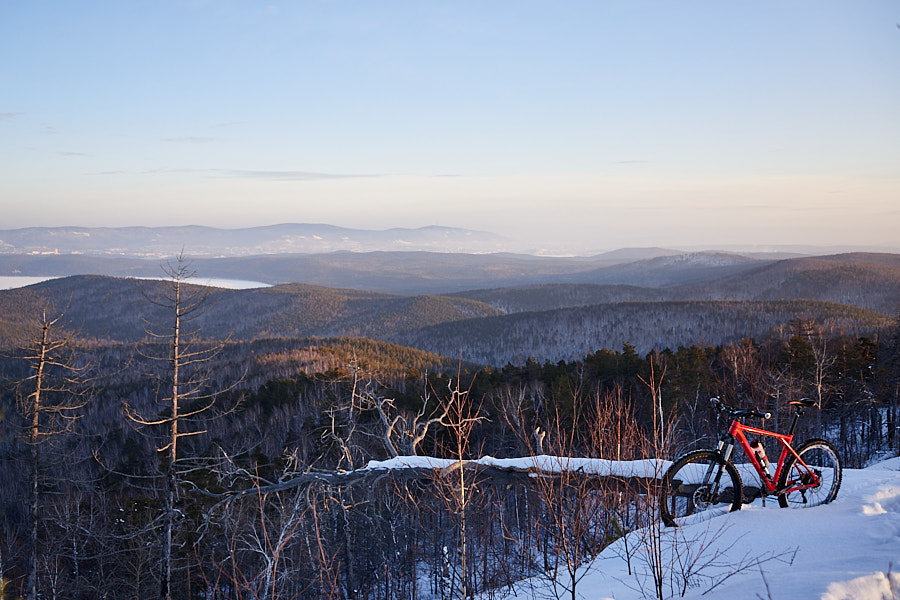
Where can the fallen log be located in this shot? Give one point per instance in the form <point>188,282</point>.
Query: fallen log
<point>639,474</point>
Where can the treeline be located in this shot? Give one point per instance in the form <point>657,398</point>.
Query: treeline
<point>563,295</point>
<point>567,334</point>
<point>116,310</point>
<point>868,281</point>
<point>254,506</point>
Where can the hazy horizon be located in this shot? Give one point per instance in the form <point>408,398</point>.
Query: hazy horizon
<point>484,242</point>
<point>569,125</point>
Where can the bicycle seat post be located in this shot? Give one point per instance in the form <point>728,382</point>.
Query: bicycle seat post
<point>799,405</point>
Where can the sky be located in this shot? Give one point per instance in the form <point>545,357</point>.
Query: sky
<point>600,124</point>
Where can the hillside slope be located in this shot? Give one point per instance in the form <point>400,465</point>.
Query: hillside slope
<point>846,550</point>
<point>119,310</point>
<point>667,271</point>
<point>869,281</point>
<point>570,333</point>
<point>111,309</point>
<point>563,295</point>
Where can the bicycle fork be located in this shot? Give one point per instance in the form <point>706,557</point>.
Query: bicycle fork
<point>715,469</point>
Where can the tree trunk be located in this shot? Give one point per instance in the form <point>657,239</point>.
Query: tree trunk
<point>171,473</point>
<point>35,459</point>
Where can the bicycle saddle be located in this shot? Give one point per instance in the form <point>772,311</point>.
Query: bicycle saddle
<point>804,402</point>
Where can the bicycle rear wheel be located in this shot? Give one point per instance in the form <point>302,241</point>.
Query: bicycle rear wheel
<point>698,482</point>
<point>822,458</point>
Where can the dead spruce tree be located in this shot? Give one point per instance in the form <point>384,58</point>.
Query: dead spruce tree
<point>49,399</point>
<point>186,399</point>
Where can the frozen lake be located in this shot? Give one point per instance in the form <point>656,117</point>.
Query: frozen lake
<point>8,282</point>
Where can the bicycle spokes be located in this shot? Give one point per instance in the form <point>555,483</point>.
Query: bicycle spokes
<point>696,483</point>
<point>812,477</point>
<point>707,479</point>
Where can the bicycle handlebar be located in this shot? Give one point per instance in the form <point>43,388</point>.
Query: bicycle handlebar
<point>741,412</point>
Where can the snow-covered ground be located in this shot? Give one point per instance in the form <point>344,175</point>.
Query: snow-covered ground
<point>549,464</point>
<point>846,550</point>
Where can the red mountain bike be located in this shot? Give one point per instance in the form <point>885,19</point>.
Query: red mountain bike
<point>705,480</point>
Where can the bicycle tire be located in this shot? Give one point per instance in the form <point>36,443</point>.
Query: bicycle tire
<point>684,493</point>
<point>824,459</point>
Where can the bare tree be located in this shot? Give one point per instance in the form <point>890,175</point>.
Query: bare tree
<point>660,430</point>
<point>258,561</point>
<point>189,399</point>
<point>403,431</point>
<point>456,484</point>
<point>657,444</point>
<point>574,506</point>
<point>49,399</point>
<point>823,360</point>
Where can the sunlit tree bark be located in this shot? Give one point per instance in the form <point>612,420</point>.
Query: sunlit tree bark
<point>49,401</point>
<point>189,398</point>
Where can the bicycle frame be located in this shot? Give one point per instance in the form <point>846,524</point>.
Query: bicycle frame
<point>738,432</point>
<point>685,490</point>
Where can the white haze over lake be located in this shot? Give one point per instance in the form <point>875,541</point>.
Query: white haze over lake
<point>8,282</point>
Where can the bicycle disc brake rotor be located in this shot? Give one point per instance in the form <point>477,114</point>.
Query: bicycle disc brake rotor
<point>702,497</point>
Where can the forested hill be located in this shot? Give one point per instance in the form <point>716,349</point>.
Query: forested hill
<point>870,281</point>
<point>571,333</point>
<point>862,279</point>
<point>114,309</point>
<point>865,280</point>
<point>120,310</point>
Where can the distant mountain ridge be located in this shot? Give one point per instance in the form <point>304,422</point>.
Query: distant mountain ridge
<point>286,238</point>
<point>402,272</point>
<point>868,281</point>
<point>865,280</point>
<point>317,238</point>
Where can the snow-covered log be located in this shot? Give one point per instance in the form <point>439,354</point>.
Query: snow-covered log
<point>425,467</point>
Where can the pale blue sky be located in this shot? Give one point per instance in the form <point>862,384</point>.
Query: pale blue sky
<point>608,124</point>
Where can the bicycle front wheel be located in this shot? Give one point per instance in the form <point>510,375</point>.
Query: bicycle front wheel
<point>815,483</point>
<point>699,482</point>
